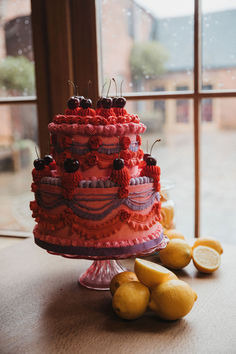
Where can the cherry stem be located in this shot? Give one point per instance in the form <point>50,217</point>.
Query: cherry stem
<point>89,85</point>
<point>115,85</point>
<point>73,85</point>
<point>109,87</point>
<point>77,90</point>
<point>156,141</point>
<point>36,152</point>
<point>121,84</point>
<point>103,86</point>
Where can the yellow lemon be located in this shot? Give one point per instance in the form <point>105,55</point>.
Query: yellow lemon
<point>209,242</point>
<point>206,259</point>
<point>167,216</point>
<point>151,274</point>
<point>121,278</point>
<point>172,233</point>
<point>176,255</point>
<point>172,300</point>
<point>131,300</point>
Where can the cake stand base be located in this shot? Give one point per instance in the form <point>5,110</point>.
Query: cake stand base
<point>99,275</point>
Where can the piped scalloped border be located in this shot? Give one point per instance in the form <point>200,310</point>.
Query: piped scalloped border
<point>108,249</point>
<point>103,130</point>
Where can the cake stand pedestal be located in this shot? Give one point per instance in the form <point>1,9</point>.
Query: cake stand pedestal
<point>99,275</point>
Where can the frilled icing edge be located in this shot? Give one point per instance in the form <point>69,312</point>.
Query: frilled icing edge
<point>76,242</point>
<point>103,130</point>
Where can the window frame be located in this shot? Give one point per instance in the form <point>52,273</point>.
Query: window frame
<point>66,46</point>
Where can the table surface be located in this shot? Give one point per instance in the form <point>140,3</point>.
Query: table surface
<point>44,310</point>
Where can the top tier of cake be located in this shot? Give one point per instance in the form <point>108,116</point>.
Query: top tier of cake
<point>95,139</point>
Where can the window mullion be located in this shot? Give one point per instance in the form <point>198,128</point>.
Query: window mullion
<point>197,103</point>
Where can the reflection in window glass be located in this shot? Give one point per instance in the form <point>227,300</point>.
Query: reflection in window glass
<point>146,46</point>
<point>174,154</point>
<point>16,52</point>
<point>218,44</point>
<point>218,172</point>
<point>18,138</point>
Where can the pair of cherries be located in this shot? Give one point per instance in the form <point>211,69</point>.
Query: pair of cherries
<point>109,102</point>
<point>39,164</point>
<point>79,101</point>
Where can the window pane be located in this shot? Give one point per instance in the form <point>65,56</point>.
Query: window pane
<point>16,51</point>
<point>174,153</point>
<point>218,156</point>
<point>219,44</point>
<point>148,44</point>
<point>18,138</point>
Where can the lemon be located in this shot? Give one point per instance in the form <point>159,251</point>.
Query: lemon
<point>121,278</point>
<point>172,233</point>
<point>209,242</point>
<point>151,274</point>
<point>172,300</point>
<point>131,300</point>
<point>176,255</point>
<point>206,259</point>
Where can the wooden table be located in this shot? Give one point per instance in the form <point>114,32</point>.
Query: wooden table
<point>43,310</point>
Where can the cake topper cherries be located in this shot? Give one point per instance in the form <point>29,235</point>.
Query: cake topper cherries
<point>74,101</point>
<point>151,161</point>
<point>39,164</point>
<point>118,164</point>
<point>118,102</point>
<point>48,159</point>
<point>71,165</point>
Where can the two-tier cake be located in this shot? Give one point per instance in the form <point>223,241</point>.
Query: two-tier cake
<point>97,196</point>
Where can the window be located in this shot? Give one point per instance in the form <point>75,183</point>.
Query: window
<point>154,46</point>
<point>18,136</point>
<point>175,35</point>
<point>182,107</point>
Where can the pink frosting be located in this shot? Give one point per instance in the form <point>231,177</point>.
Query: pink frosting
<point>104,130</point>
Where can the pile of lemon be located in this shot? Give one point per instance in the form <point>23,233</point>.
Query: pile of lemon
<point>156,287</point>
<point>205,252</point>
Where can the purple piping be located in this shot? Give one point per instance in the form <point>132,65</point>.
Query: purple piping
<point>100,252</point>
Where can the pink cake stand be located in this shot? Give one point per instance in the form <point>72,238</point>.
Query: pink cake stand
<point>98,276</point>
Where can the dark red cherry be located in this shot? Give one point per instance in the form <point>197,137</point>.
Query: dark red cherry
<point>120,102</point>
<point>99,102</point>
<point>73,102</point>
<point>48,159</point>
<point>145,156</point>
<point>118,164</point>
<point>86,103</point>
<point>80,98</point>
<point>114,101</point>
<point>39,164</point>
<point>71,165</point>
<point>151,161</point>
<point>106,102</point>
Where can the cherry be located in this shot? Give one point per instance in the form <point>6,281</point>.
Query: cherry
<point>106,102</point>
<point>118,164</point>
<point>120,102</point>
<point>73,102</point>
<point>39,164</point>
<point>114,101</point>
<point>86,103</point>
<point>145,156</point>
<point>48,159</point>
<point>71,165</point>
<point>99,102</point>
<point>151,161</point>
